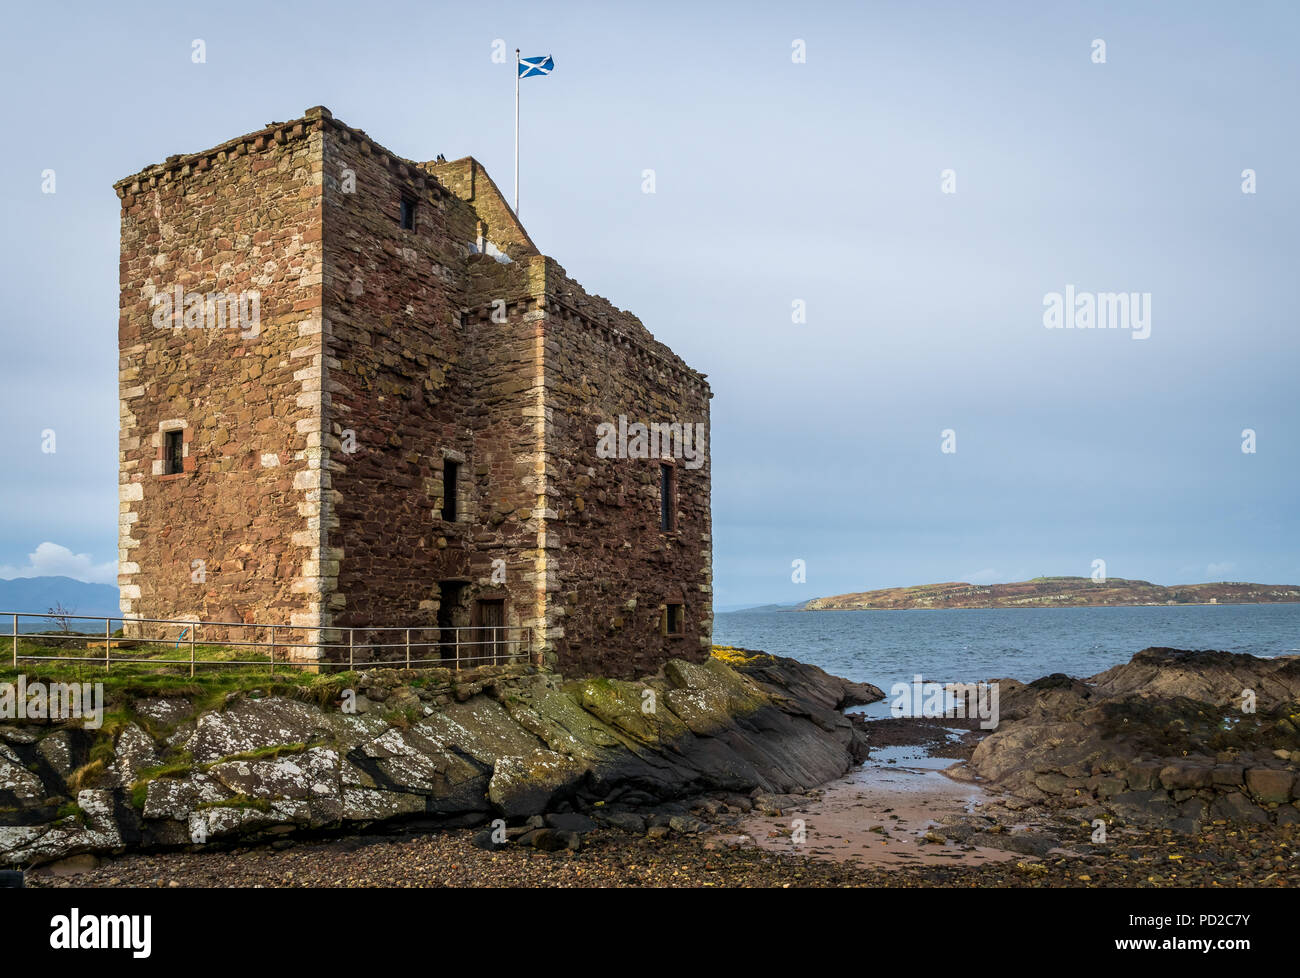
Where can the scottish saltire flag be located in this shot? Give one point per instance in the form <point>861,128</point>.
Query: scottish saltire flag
<point>535,66</point>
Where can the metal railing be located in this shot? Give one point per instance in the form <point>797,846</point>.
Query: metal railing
<point>392,646</point>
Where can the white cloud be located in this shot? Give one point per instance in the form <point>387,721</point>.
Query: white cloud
<point>54,560</point>
<point>987,576</point>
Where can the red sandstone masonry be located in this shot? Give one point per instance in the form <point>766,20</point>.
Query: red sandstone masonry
<point>617,570</point>
<point>245,216</point>
<point>315,453</point>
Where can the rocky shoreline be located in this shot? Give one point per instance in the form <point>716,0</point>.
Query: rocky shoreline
<point>501,747</point>
<point>1171,739</point>
<point>1148,774</point>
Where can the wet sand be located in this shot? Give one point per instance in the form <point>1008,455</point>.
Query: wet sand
<point>878,815</point>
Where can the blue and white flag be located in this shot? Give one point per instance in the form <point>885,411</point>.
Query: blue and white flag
<point>535,66</point>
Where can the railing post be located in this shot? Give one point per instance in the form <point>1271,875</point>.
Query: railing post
<point>408,648</point>
<point>108,641</point>
<point>15,641</point>
<point>194,627</point>
<point>350,648</point>
<point>455,638</point>
<point>272,649</point>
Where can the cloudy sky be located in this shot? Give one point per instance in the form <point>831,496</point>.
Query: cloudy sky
<point>780,184</point>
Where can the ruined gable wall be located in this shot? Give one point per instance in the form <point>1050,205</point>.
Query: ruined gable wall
<point>245,216</point>
<point>468,180</point>
<point>615,569</point>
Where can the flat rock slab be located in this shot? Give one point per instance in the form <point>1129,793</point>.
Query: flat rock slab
<point>510,746</point>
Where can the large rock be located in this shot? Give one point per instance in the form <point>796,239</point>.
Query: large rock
<point>1165,736</point>
<point>18,782</point>
<point>135,751</point>
<point>529,784</point>
<point>245,819</point>
<point>254,724</point>
<point>1186,775</point>
<point>708,696</point>
<point>632,709</point>
<point>313,773</point>
<point>92,828</point>
<point>1270,785</point>
<point>1050,696</point>
<point>559,722</point>
<point>1218,678</point>
<point>1236,807</point>
<point>512,745</point>
<point>57,751</point>
<point>367,805</point>
<point>175,798</point>
<point>165,711</point>
<point>798,681</point>
<point>447,757</point>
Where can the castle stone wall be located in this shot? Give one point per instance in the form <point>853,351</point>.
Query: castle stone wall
<point>414,383</point>
<point>316,452</point>
<point>224,539</point>
<point>615,569</point>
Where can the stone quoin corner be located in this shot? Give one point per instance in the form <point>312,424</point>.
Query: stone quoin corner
<point>354,394</point>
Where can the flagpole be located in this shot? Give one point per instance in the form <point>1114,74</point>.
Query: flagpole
<point>516,132</point>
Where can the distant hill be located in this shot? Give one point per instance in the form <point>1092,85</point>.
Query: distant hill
<point>39,594</point>
<point>724,609</point>
<point>1056,592</point>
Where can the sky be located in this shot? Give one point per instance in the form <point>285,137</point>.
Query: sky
<point>917,177</point>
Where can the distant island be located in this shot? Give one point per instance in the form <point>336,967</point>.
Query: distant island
<point>1055,592</point>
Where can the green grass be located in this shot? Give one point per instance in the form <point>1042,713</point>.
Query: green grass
<point>206,690</point>
<point>89,648</point>
<point>260,754</point>
<point>70,809</point>
<point>401,719</point>
<point>180,766</point>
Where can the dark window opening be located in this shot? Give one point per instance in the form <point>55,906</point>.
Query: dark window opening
<point>667,498</point>
<point>173,452</point>
<point>408,212</point>
<point>450,619</point>
<point>450,472</point>
<point>675,619</point>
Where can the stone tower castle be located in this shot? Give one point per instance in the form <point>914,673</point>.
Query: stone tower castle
<point>355,395</point>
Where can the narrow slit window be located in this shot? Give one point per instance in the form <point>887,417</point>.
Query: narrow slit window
<point>450,489</point>
<point>675,619</point>
<point>667,498</point>
<point>173,452</point>
<point>408,212</point>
